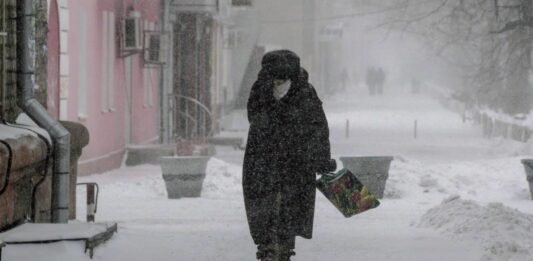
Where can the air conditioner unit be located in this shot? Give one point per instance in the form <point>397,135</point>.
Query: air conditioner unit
<point>154,47</point>
<point>131,33</point>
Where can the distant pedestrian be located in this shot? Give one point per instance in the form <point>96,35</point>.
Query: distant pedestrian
<point>415,86</point>
<point>371,80</point>
<point>344,79</point>
<point>288,144</point>
<point>380,80</point>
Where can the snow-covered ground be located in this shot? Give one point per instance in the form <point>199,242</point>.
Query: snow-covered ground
<point>451,195</point>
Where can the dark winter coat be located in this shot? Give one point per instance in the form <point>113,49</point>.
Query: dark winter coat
<point>288,143</point>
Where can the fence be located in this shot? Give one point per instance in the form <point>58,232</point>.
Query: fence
<point>493,124</point>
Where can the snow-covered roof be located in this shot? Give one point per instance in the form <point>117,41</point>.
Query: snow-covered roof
<point>25,121</point>
<point>48,232</point>
<point>25,126</point>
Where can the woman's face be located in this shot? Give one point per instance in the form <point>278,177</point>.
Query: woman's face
<point>279,82</point>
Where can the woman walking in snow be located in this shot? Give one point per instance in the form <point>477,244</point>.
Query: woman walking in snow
<point>288,143</point>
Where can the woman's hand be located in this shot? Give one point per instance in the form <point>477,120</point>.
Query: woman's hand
<point>328,166</point>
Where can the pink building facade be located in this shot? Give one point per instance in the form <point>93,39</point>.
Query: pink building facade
<point>93,81</point>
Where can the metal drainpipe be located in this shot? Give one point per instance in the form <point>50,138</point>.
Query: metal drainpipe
<point>163,99</point>
<point>26,101</point>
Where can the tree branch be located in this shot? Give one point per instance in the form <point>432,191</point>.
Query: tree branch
<point>513,25</point>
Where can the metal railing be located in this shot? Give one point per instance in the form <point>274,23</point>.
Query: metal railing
<point>192,118</point>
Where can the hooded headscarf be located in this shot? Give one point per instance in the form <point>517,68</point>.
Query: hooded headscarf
<point>281,64</point>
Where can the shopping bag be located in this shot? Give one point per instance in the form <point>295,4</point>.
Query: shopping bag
<point>346,192</point>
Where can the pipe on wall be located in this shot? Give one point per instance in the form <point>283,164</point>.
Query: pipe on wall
<point>5,183</point>
<point>27,102</point>
<point>162,117</point>
<point>165,72</point>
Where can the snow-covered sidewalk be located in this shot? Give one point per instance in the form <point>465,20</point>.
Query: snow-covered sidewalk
<point>437,203</point>
<point>214,226</point>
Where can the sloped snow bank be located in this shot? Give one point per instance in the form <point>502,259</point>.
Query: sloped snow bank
<point>413,179</point>
<point>139,182</point>
<point>485,180</point>
<point>223,180</point>
<point>506,233</point>
<point>510,148</point>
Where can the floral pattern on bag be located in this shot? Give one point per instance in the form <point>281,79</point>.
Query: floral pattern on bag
<point>346,193</point>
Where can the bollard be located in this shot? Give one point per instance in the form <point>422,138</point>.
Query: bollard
<point>528,167</point>
<point>347,130</point>
<point>415,129</point>
<point>92,200</point>
<point>91,206</point>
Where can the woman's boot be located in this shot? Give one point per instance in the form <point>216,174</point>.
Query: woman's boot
<point>286,254</point>
<point>270,252</point>
<point>286,250</point>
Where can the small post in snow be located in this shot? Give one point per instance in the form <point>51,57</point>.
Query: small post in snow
<point>415,131</point>
<point>92,199</point>
<point>347,130</point>
<point>91,206</point>
<point>463,115</point>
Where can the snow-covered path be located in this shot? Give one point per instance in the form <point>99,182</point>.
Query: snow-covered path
<point>448,158</point>
<point>384,125</point>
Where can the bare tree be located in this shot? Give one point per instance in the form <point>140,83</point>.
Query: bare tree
<point>489,41</point>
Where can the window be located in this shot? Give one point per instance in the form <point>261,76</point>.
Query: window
<point>131,41</point>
